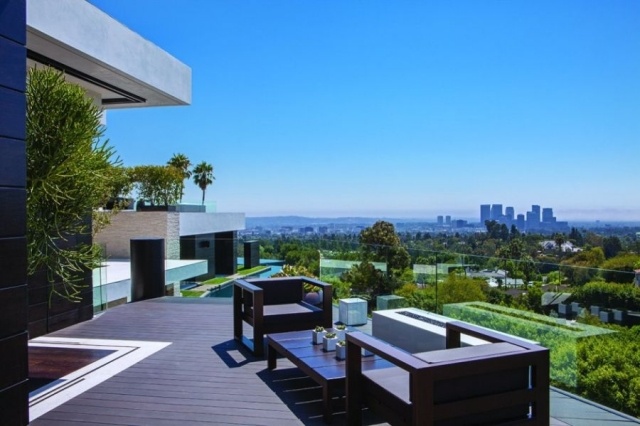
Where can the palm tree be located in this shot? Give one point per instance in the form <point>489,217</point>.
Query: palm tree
<point>181,162</point>
<point>203,176</point>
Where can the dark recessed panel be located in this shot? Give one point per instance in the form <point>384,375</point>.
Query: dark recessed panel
<point>13,352</point>
<point>14,403</point>
<point>13,261</point>
<point>13,212</point>
<point>13,119</point>
<point>13,15</point>
<point>37,328</point>
<point>13,166</point>
<point>13,58</point>
<point>13,315</point>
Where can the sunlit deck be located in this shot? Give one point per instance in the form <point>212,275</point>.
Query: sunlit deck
<point>203,377</point>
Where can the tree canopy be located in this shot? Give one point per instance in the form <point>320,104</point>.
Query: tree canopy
<point>203,176</point>
<point>182,163</point>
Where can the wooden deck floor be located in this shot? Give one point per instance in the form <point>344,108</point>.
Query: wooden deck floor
<point>203,377</point>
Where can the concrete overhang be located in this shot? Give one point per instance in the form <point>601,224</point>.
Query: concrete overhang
<point>210,223</point>
<point>105,57</point>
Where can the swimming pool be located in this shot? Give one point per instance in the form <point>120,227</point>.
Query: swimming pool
<point>226,290</point>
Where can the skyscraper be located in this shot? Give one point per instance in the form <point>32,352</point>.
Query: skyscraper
<point>533,218</point>
<point>496,211</point>
<point>547,215</point>
<point>510,213</point>
<point>485,213</point>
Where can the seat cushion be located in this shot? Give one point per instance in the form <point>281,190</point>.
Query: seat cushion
<point>394,381</point>
<point>291,312</point>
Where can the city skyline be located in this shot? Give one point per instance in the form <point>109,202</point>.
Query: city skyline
<point>397,109</point>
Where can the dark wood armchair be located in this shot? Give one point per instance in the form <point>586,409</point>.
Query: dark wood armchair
<point>276,305</point>
<point>503,382</point>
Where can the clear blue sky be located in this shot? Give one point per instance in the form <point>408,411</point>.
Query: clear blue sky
<point>398,108</point>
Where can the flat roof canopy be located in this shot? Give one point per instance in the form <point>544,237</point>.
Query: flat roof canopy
<point>103,56</point>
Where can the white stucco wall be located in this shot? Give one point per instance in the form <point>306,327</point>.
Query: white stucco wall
<point>80,35</point>
<point>207,223</point>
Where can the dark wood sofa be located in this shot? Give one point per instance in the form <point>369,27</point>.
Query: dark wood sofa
<point>504,382</point>
<point>276,305</point>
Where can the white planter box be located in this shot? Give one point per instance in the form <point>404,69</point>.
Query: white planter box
<point>329,344</point>
<point>317,336</point>
<point>353,311</point>
<point>341,352</point>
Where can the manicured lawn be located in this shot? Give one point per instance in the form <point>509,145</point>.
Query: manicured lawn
<point>217,280</point>
<point>191,293</point>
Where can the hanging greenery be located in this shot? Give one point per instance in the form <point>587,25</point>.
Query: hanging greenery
<point>69,174</point>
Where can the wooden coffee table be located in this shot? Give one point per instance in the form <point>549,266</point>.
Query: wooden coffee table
<point>323,367</point>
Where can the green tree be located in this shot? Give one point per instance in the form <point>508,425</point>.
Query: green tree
<point>611,246</point>
<point>366,281</point>
<point>381,243</point>
<point>182,163</point>
<point>203,176</point>
<point>559,239</point>
<point>69,173</point>
<point>619,269</point>
<point>160,185</point>
<point>457,288</point>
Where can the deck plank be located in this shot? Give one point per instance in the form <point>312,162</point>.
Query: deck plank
<point>203,377</point>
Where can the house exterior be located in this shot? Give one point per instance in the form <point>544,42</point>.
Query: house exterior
<point>118,69</point>
<point>188,235</point>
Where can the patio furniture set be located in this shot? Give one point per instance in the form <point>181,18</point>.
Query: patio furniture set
<point>505,381</point>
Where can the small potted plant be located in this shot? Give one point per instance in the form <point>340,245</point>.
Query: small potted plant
<point>329,341</point>
<point>318,333</point>
<point>341,349</point>
<point>312,294</point>
<point>340,330</point>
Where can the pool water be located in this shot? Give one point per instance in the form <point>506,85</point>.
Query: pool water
<point>226,290</point>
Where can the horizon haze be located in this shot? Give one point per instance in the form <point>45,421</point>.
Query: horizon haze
<point>398,108</point>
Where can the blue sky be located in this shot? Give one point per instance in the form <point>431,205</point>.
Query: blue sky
<point>398,108</point>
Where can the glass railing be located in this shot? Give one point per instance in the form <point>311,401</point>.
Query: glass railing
<point>586,316</point>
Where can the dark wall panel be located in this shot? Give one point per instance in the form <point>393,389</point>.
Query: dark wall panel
<point>226,252</point>
<point>200,247</point>
<point>13,260</point>
<point>48,313</point>
<point>14,394</point>
<point>13,107</point>
<point>13,204</point>
<point>13,172</point>
<point>14,350</point>
<point>13,21</point>
<point>13,315</point>
<point>13,75</point>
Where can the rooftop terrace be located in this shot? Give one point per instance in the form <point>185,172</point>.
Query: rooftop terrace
<point>203,377</point>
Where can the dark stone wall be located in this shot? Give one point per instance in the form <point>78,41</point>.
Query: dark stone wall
<point>14,397</point>
<point>251,254</point>
<point>200,246</point>
<point>226,253</point>
<point>49,312</point>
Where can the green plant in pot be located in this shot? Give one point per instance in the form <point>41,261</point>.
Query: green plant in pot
<point>340,330</point>
<point>341,349</point>
<point>329,341</point>
<point>312,293</point>
<point>317,334</point>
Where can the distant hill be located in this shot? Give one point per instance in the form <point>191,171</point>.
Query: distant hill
<point>299,221</point>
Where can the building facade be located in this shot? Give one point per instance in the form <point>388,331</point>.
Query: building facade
<point>118,69</point>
